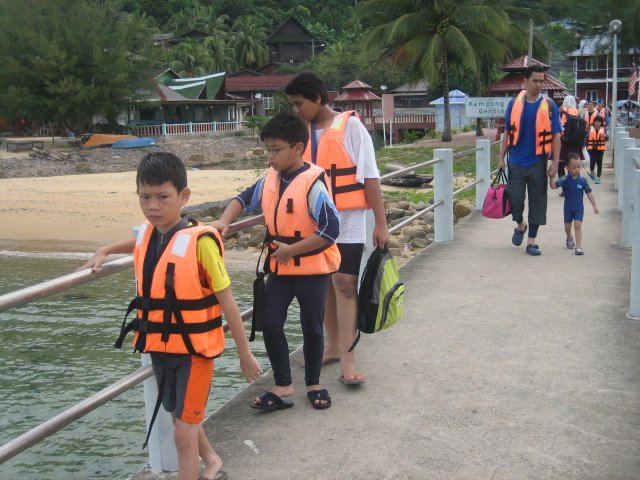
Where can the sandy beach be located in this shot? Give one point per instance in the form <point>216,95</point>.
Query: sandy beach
<point>80,212</point>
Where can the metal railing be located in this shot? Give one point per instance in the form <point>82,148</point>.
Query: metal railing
<point>627,170</point>
<point>443,231</point>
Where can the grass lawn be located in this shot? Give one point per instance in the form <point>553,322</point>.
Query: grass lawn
<point>465,164</point>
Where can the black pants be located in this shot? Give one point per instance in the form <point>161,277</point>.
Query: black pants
<point>595,157</point>
<point>311,293</point>
<point>528,181</point>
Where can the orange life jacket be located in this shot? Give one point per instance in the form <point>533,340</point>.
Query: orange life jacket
<point>348,193</point>
<point>569,111</point>
<point>179,315</point>
<point>544,132</point>
<point>288,221</point>
<point>596,139</point>
<point>588,117</point>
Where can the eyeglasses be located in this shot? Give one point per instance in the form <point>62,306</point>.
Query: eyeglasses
<point>273,151</point>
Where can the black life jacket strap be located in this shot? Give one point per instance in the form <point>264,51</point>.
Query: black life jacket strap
<point>148,304</point>
<point>156,408</point>
<point>125,328</point>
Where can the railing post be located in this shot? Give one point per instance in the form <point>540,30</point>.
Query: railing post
<point>616,155</point>
<point>443,183</point>
<point>164,130</point>
<point>190,125</point>
<point>625,192</point>
<point>483,171</point>
<point>634,303</point>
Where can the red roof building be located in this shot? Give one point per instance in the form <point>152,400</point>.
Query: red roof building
<point>358,96</point>
<point>512,83</point>
<point>256,87</point>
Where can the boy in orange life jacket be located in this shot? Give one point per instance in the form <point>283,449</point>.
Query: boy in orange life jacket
<point>177,259</point>
<point>302,225</point>
<point>341,145</point>
<point>596,145</point>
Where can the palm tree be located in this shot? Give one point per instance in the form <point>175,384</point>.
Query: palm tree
<point>190,59</point>
<point>248,41</point>
<point>221,54</point>
<point>432,36</point>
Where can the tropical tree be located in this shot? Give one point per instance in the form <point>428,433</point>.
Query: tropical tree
<point>191,59</point>
<point>221,55</point>
<point>248,41</point>
<point>63,61</point>
<point>432,36</point>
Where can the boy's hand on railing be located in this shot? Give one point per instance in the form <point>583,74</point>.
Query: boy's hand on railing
<point>221,226</point>
<point>250,367</point>
<point>96,261</point>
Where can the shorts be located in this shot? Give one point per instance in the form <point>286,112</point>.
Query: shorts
<point>350,257</point>
<point>576,213</point>
<point>186,384</point>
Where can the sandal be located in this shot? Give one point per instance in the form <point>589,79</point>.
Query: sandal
<point>571,244</point>
<point>533,250</point>
<point>269,401</point>
<point>579,251</point>
<point>518,236</point>
<point>319,396</point>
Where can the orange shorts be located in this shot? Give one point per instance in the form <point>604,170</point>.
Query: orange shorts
<point>187,384</point>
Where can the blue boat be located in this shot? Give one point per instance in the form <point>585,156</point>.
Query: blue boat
<point>134,142</point>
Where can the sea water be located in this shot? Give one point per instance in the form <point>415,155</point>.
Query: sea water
<point>57,351</point>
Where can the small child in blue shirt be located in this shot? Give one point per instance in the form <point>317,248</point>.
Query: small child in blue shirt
<point>574,187</point>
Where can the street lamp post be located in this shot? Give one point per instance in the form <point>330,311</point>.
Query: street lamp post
<point>614,27</point>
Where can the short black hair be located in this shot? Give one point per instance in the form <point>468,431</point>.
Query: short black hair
<point>157,168</point>
<point>309,85</point>
<point>287,127</point>
<point>597,118</point>
<point>533,69</point>
<point>571,156</point>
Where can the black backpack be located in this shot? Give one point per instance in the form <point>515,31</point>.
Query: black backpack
<point>575,131</point>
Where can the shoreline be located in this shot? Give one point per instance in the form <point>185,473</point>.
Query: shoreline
<point>78,213</point>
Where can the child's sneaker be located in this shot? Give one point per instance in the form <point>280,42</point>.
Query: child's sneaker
<point>571,244</point>
<point>597,180</point>
<point>592,175</point>
<point>579,251</point>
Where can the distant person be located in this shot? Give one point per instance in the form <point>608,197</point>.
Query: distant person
<point>569,112</point>
<point>604,113</point>
<point>574,186</point>
<point>591,112</point>
<point>342,146</point>
<point>302,225</point>
<point>582,108</point>
<point>596,145</point>
<point>532,136</point>
<point>182,291</point>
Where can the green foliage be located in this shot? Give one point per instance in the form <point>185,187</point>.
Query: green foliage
<point>63,61</point>
<point>248,38</point>
<point>256,123</point>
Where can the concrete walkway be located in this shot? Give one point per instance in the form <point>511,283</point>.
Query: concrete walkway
<point>505,366</point>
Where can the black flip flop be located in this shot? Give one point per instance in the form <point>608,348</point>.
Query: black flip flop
<point>322,395</point>
<point>270,402</point>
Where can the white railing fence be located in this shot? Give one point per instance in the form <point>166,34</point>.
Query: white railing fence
<point>627,166</point>
<point>162,455</point>
<point>185,128</point>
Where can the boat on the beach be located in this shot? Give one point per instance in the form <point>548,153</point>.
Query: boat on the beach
<point>104,140</point>
<point>134,143</point>
<point>408,181</point>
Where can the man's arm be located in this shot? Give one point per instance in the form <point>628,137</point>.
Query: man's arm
<point>233,211</point>
<point>552,171</point>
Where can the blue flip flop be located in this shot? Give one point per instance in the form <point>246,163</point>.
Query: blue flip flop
<point>533,250</point>
<point>270,402</point>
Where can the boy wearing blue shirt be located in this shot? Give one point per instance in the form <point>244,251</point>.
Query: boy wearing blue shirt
<point>574,187</point>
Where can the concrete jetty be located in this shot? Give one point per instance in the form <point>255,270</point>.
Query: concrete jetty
<point>506,366</point>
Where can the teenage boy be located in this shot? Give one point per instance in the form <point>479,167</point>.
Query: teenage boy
<point>341,145</point>
<point>302,225</point>
<point>182,290</point>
